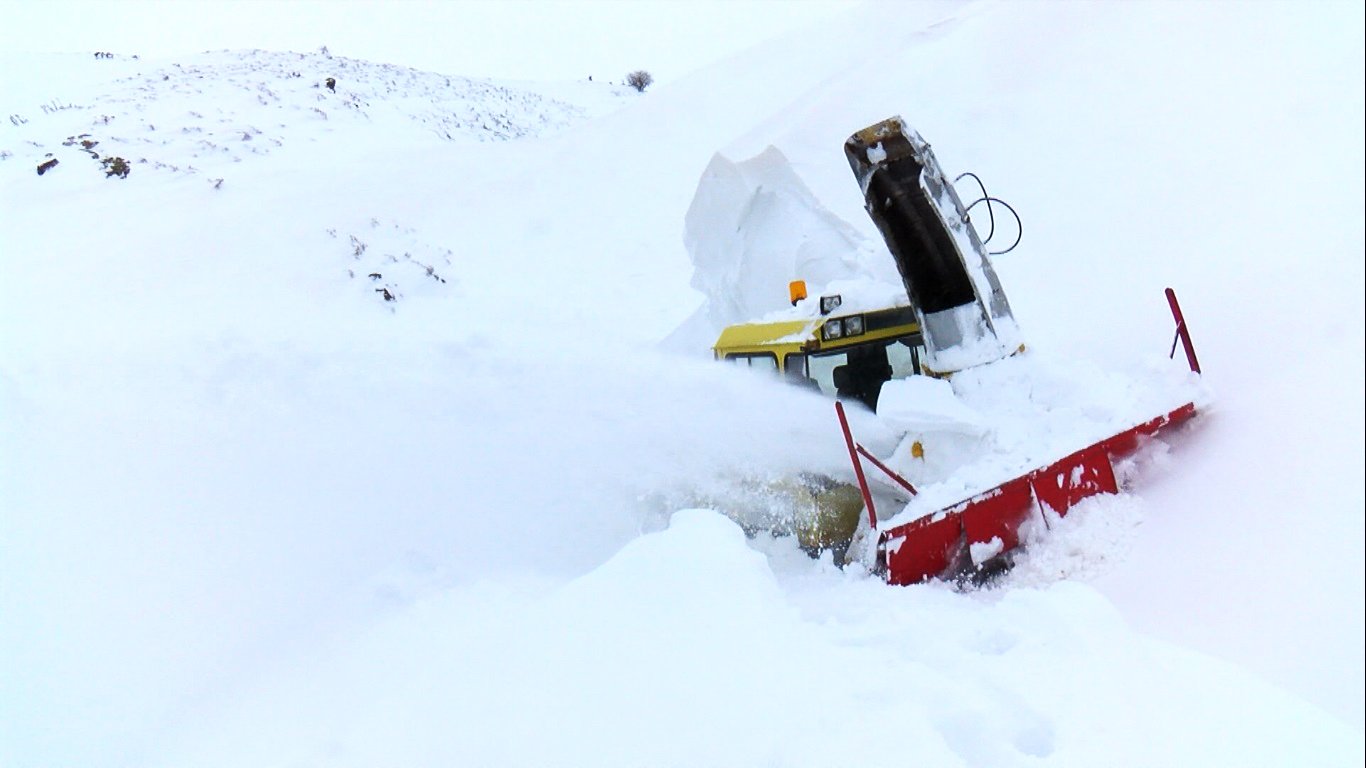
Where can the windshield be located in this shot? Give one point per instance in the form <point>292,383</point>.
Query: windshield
<point>864,367</point>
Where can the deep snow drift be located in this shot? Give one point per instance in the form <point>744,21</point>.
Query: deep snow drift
<point>253,512</point>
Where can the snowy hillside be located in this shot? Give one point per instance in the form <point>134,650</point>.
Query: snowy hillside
<point>343,429</point>
<point>218,109</point>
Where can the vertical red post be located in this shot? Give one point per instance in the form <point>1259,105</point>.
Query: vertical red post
<point>1182,331</point>
<point>858,467</point>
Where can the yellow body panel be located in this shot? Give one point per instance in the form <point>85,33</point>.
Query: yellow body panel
<point>783,337</point>
<point>780,337</point>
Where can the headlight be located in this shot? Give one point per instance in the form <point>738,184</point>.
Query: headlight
<point>830,303</point>
<point>833,329</point>
<point>853,326</point>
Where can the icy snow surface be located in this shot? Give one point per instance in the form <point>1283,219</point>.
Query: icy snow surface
<point>253,512</point>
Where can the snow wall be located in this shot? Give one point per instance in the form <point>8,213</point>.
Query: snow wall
<point>752,228</point>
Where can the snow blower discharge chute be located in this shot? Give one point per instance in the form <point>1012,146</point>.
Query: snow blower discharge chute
<point>957,320</point>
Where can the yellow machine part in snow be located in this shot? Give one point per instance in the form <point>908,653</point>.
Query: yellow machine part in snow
<point>848,355</point>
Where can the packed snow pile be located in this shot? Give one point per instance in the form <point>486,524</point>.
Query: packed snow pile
<point>754,226</point>
<point>997,422</point>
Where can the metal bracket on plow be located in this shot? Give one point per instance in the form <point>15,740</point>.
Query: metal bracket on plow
<point>856,450</point>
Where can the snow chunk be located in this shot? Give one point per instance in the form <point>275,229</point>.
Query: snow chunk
<point>922,403</point>
<point>983,551</point>
<point>1095,536</point>
<point>752,228</point>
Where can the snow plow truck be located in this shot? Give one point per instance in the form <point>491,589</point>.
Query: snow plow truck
<point>956,501</point>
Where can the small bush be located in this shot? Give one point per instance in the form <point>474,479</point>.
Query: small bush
<point>640,80</point>
<point>115,166</point>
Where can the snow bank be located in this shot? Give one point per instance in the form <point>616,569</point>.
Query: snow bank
<point>683,649</point>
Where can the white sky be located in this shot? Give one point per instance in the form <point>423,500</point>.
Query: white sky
<point>517,39</point>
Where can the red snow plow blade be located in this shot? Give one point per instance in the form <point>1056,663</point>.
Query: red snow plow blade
<point>942,543</point>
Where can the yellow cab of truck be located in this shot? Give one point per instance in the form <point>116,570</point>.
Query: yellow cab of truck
<point>843,354</point>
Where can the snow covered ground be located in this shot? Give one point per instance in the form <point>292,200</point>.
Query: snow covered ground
<point>253,512</point>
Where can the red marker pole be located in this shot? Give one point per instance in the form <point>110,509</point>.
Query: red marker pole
<point>1182,331</point>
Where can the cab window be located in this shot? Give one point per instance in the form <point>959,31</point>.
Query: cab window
<point>796,371</point>
<point>903,355</point>
<point>763,361</point>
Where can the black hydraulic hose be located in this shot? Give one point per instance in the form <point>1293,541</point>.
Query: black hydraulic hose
<point>991,217</point>
<point>1019,226</point>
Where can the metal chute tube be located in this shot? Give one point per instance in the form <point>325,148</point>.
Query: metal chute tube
<point>943,264</point>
